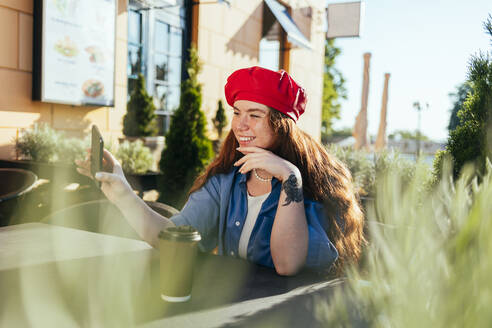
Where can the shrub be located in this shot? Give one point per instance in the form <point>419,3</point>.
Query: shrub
<point>429,265</point>
<point>135,158</point>
<point>391,161</point>
<point>39,143</point>
<point>458,98</point>
<point>366,168</point>
<point>70,149</point>
<point>361,167</point>
<point>188,150</point>
<point>140,119</point>
<point>334,136</point>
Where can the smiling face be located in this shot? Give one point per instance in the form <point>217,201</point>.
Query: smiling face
<point>250,124</point>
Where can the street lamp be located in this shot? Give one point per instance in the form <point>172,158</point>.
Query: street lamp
<point>419,108</point>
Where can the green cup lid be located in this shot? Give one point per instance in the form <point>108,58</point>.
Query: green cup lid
<point>180,233</point>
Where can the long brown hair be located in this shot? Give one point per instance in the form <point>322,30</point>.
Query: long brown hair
<point>325,179</point>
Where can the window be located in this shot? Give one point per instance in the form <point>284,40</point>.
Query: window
<point>155,49</point>
<point>278,27</point>
<point>272,44</point>
<point>135,49</point>
<point>168,59</point>
<point>270,54</point>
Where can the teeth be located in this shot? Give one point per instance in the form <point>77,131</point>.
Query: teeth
<point>246,138</point>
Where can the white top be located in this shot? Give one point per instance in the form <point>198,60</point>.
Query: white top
<point>254,206</point>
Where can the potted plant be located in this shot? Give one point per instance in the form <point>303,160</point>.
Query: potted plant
<point>136,161</point>
<point>50,155</point>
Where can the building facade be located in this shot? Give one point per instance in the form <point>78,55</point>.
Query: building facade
<point>153,39</point>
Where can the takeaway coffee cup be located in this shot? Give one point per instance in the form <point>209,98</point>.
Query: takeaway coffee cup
<point>178,247</point>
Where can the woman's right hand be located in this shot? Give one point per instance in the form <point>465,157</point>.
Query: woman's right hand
<point>113,182</point>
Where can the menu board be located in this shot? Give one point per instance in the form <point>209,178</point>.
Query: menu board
<point>77,52</point>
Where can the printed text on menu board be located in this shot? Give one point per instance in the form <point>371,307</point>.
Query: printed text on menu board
<point>78,51</point>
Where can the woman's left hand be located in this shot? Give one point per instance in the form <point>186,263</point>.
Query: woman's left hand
<point>259,158</point>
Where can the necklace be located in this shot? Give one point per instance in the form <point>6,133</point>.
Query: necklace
<point>260,178</point>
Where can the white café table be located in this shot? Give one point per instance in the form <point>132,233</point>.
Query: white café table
<point>52,276</point>
<point>37,243</point>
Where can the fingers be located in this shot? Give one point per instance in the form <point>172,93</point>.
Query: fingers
<point>249,165</point>
<point>248,150</point>
<point>84,171</point>
<point>109,157</point>
<point>106,177</point>
<point>246,158</point>
<point>110,164</point>
<point>261,159</point>
<point>114,165</point>
<point>83,164</point>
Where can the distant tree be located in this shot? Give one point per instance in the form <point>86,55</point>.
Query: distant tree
<point>469,141</point>
<point>188,150</point>
<point>458,98</point>
<point>333,90</point>
<point>344,132</point>
<point>220,119</point>
<point>140,117</point>
<point>404,134</point>
<point>336,135</point>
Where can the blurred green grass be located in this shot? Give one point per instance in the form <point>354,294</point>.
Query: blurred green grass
<point>429,260</point>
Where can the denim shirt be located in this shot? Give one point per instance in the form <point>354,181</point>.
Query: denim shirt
<point>218,211</point>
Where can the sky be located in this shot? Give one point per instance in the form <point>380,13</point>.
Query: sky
<point>425,46</point>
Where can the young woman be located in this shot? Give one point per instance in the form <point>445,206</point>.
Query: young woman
<point>273,195</point>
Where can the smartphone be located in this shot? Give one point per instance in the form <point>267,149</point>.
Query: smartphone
<point>97,149</point>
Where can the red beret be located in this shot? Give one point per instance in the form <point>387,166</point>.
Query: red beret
<point>273,89</point>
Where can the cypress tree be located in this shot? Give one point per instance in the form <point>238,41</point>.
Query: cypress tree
<point>333,91</point>
<point>188,150</point>
<point>220,120</point>
<point>139,120</point>
<point>459,98</point>
<point>469,141</point>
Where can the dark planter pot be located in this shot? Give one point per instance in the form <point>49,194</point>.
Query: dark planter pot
<point>143,182</point>
<point>50,195</point>
<point>16,183</point>
<point>55,172</point>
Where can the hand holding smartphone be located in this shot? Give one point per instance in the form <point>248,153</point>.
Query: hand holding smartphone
<point>97,149</point>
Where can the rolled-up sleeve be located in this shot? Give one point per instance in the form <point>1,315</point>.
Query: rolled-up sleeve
<point>321,251</point>
<point>201,211</point>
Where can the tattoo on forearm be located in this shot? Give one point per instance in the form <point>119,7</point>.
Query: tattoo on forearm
<point>292,190</point>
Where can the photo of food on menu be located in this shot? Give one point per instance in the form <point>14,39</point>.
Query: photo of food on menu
<point>80,45</point>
